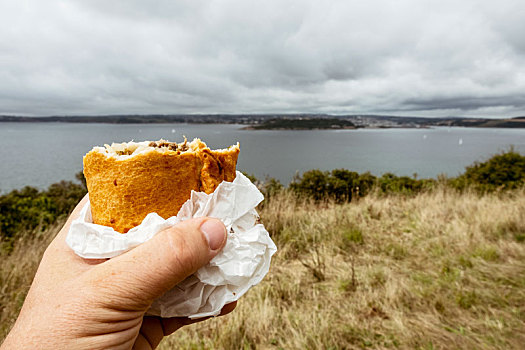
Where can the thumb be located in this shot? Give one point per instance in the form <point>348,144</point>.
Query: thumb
<point>143,274</point>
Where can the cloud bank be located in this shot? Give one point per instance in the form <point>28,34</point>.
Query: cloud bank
<point>408,57</point>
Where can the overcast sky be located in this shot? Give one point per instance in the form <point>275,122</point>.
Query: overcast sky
<point>402,57</point>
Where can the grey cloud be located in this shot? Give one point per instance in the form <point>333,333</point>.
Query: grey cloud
<point>465,103</point>
<point>139,10</point>
<point>100,57</point>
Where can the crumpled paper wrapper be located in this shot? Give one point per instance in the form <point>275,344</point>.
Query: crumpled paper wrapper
<point>242,263</point>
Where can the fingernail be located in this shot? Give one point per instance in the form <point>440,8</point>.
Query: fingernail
<point>215,233</point>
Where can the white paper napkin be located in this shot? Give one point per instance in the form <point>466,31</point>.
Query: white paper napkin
<point>242,263</point>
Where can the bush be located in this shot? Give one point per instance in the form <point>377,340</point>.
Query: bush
<point>65,195</point>
<point>339,184</point>
<point>390,183</point>
<point>344,185</point>
<point>505,171</point>
<point>271,187</point>
<point>24,209</point>
<point>313,183</point>
<point>30,208</point>
<point>365,183</point>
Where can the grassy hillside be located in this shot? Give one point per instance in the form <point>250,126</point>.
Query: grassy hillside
<point>438,269</point>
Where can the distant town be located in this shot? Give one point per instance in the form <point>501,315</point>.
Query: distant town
<point>283,121</point>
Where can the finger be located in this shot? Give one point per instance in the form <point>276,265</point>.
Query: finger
<point>228,308</point>
<point>151,333</point>
<point>143,274</point>
<point>154,328</point>
<point>170,325</point>
<point>141,343</point>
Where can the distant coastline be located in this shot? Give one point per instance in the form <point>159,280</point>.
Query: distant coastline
<point>303,124</point>
<point>282,121</point>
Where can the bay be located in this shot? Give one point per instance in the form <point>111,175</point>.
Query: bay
<point>39,154</point>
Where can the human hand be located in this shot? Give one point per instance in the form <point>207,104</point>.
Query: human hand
<point>76,303</point>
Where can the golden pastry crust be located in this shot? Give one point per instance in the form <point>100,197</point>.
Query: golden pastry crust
<point>124,188</point>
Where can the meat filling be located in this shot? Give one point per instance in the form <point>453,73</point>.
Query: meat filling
<point>125,152</point>
<point>127,149</point>
<point>172,146</point>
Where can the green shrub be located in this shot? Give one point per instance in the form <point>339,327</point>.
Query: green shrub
<point>271,187</point>
<point>30,208</point>
<point>313,183</point>
<point>503,171</point>
<point>341,184</point>
<point>24,209</point>
<point>365,183</point>
<point>344,185</point>
<point>390,183</point>
<point>65,195</point>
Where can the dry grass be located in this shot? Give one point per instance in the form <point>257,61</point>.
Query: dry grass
<point>17,270</point>
<point>438,270</point>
